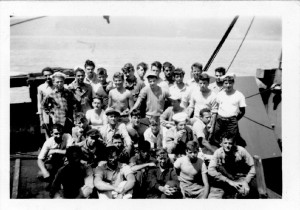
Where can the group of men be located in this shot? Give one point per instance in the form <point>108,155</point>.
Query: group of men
<point>143,136</point>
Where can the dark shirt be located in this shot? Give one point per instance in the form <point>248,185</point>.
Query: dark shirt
<point>95,155</point>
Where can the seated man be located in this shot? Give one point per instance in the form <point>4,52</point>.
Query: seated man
<point>178,136</point>
<point>80,129</point>
<point>114,126</point>
<point>69,181</point>
<point>155,134</point>
<point>52,154</point>
<point>123,154</point>
<point>162,180</point>
<point>113,180</point>
<point>135,128</point>
<point>233,166</point>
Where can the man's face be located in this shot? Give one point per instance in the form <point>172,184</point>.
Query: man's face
<point>96,103</point>
<point>227,144</point>
<point>155,70</point>
<point>175,103</point>
<point>102,78</point>
<point>168,72</point>
<point>112,119</point>
<point>80,77</point>
<point>89,70</point>
<point>206,117</point>
<point>162,160</point>
<point>145,155</point>
<point>178,79</point>
<point>57,135</point>
<point>91,141</point>
<point>135,120</point>
<point>83,123</point>
<point>196,72</point>
<point>141,72</point>
<point>192,154</point>
<point>152,82</point>
<point>118,143</point>
<point>47,75</point>
<point>59,83</point>
<point>154,129</point>
<point>112,159</point>
<point>203,85</point>
<point>129,73</point>
<point>218,76</point>
<point>228,85</point>
<point>118,82</point>
<point>181,125</point>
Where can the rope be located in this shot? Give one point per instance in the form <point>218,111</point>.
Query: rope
<point>240,44</point>
<point>258,123</point>
<point>259,92</point>
<point>24,21</point>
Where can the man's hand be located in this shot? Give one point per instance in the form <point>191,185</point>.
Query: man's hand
<point>244,188</point>
<point>167,190</point>
<point>52,151</point>
<point>180,134</point>
<point>45,174</point>
<point>234,184</point>
<point>151,164</point>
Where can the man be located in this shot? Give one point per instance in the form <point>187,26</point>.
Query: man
<point>131,82</point>
<point>156,69</point>
<point>91,77</point>
<point>231,107</point>
<point>155,134</point>
<point>81,128</point>
<point>83,90</point>
<point>179,87</point>
<point>162,180</point>
<point>167,115</point>
<point>61,104</point>
<point>120,98</point>
<point>168,70</point>
<point>179,135</point>
<point>202,98</point>
<point>141,70</point>
<point>154,95</point>
<point>44,90</point>
<point>70,179</point>
<point>233,166</point>
<point>51,156</point>
<point>217,86</point>
<point>123,154</point>
<point>114,180</point>
<point>135,128</point>
<point>201,133</point>
<point>114,126</point>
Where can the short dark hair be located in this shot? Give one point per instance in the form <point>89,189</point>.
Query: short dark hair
<point>128,67</point>
<point>119,75</point>
<point>143,65</point>
<point>117,136</point>
<point>89,63</point>
<point>110,150</point>
<point>157,64</point>
<point>79,70</point>
<point>58,127</point>
<point>204,77</point>
<point>99,98</point>
<point>192,145</point>
<point>101,71</point>
<point>135,112</point>
<point>197,65</point>
<point>73,149</point>
<point>221,70</point>
<point>202,111</point>
<point>144,146</point>
<point>178,71</point>
<point>47,69</point>
<point>161,151</point>
<point>154,120</point>
<point>228,135</point>
<point>80,116</point>
<point>168,65</point>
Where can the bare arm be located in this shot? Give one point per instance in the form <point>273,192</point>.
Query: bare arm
<point>100,184</point>
<point>137,104</point>
<point>129,184</point>
<point>42,167</point>
<point>130,101</point>
<point>109,104</point>
<point>205,182</point>
<point>136,168</point>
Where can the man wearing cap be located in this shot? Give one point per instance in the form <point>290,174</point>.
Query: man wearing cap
<point>82,90</point>
<point>44,90</point>
<point>156,69</point>
<point>202,98</point>
<point>114,126</point>
<point>154,95</point>
<point>217,86</point>
<point>179,135</point>
<point>231,107</point>
<point>61,104</point>
<point>166,117</point>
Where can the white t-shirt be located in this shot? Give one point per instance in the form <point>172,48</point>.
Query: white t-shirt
<point>200,129</point>
<point>229,104</point>
<point>95,119</point>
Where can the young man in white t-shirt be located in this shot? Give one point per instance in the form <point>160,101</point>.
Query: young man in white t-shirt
<point>231,106</point>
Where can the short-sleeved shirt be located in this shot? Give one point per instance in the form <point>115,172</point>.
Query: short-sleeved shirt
<point>228,105</point>
<point>113,177</point>
<point>175,91</point>
<point>95,119</point>
<point>155,103</point>
<point>107,133</point>
<point>198,102</point>
<point>215,88</point>
<point>51,144</point>
<point>92,81</point>
<point>158,140</point>
<point>43,90</point>
<point>190,172</point>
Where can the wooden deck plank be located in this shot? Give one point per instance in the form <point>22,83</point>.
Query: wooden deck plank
<point>15,188</point>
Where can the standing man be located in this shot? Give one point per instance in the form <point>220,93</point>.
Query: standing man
<point>61,104</point>
<point>44,90</point>
<point>179,88</point>
<point>168,70</point>
<point>156,69</point>
<point>217,86</point>
<point>91,77</point>
<point>231,107</point>
<point>83,90</point>
<point>141,70</point>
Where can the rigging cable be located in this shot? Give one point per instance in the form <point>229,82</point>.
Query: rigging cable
<point>240,44</point>
<point>13,24</point>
